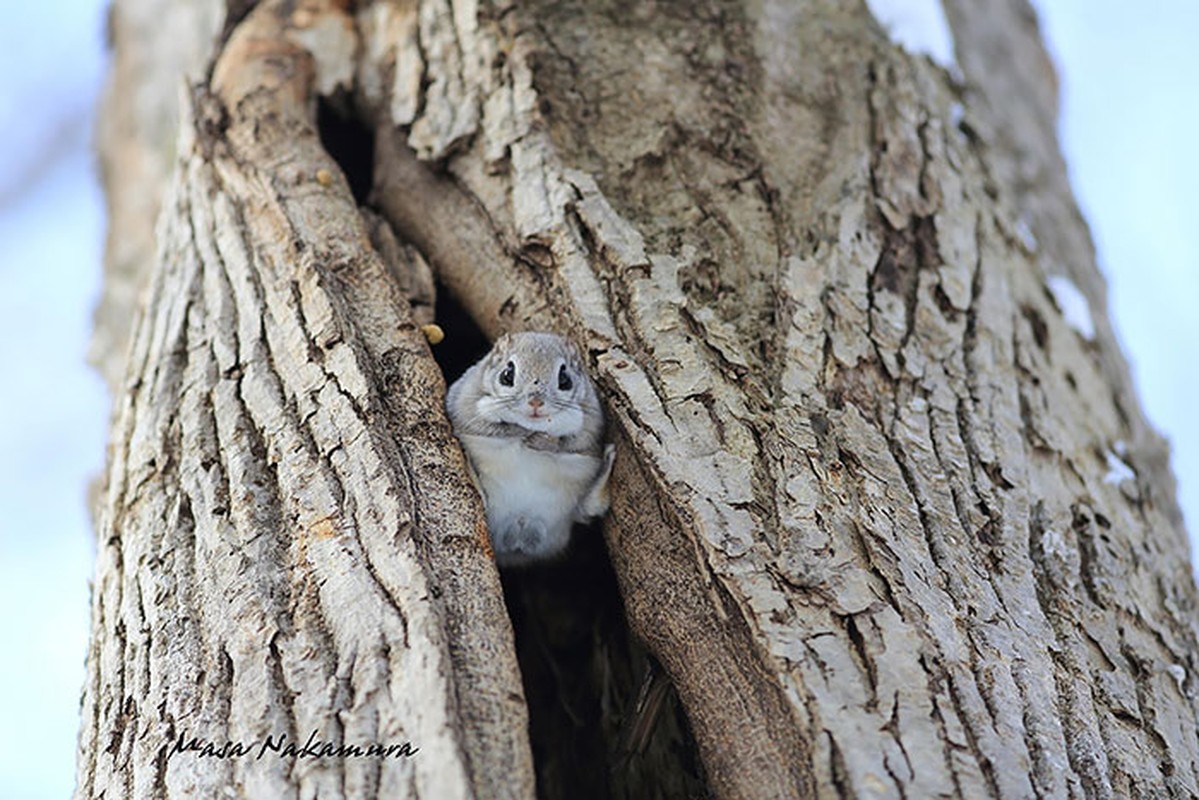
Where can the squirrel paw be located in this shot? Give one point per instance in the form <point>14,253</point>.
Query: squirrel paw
<point>523,538</point>
<point>595,502</point>
<point>543,442</point>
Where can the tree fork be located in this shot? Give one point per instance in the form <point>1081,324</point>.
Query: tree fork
<point>864,511</point>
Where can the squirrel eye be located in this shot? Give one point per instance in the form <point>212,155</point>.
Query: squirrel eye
<point>508,375</point>
<point>564,381</point>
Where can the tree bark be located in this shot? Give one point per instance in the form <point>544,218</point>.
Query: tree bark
<point>289,543</point>
<point>885,507</point>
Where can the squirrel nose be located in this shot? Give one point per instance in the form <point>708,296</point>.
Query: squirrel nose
<point>536,402</point>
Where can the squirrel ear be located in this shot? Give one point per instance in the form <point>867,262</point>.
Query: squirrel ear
<point>503,342</point>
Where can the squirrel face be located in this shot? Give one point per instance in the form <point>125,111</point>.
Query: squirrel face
<point>537,382</point>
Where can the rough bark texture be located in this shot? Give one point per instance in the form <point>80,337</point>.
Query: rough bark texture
<point>891,524</point>
<point>288,542</point>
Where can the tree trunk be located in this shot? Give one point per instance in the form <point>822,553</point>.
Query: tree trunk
<point>885,508</point>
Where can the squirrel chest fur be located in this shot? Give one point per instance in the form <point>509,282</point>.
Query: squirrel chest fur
<point>530,422</point>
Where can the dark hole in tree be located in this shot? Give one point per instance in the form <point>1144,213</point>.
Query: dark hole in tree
<point>235,12</point>
<point>582,671</point>
<point>350,143</point>
<point>580,665</point>
<point>464,342</point>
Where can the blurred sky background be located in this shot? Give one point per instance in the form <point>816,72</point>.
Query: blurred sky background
<point>1131,108</point>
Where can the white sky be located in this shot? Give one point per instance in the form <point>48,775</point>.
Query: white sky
<point>52,408</point>
<point>1130,109</point>
<point>1129,116</point>
<point>919,26</point>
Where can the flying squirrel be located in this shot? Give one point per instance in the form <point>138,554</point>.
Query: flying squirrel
<point>530,421</point>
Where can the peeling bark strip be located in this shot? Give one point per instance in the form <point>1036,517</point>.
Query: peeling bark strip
<point>288,543</point>
<point>891,525</point>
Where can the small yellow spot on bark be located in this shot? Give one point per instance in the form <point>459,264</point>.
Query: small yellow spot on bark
<point>324,177</point>
<point>433,333</point>
<point>482,535</point>
<point>323,528</point>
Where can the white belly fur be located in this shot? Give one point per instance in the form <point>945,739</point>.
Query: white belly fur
<point>523,484</point>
